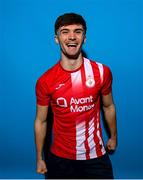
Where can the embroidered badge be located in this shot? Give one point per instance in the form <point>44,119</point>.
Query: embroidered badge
<point>90,82</point>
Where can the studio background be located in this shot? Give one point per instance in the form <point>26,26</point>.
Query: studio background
<point>27,49</point>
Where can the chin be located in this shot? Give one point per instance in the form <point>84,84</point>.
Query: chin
<point>73,56</point>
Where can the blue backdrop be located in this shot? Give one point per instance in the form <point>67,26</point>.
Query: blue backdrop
<point>27,49</point>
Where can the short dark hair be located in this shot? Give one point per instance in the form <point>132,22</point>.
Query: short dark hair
<point>69,19</point>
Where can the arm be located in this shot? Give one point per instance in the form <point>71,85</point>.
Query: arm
<point>40,133</point>
<point>110,116</point>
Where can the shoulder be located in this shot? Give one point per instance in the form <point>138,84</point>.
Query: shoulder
<point>97,64</point>
<point>100,69</point>
<point>44,82</point>
<point>48,75</point>
<point>104,70</point>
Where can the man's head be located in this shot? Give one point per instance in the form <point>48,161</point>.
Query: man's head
<point>69,19</point>
<point>70,34</point>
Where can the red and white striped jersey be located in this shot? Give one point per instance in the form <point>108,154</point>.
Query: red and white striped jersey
<point>75,100</point>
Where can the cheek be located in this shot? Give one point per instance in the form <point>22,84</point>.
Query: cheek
<point>81,40</point>
<point>62,41</point>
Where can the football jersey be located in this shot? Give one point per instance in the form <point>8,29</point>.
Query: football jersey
<point>75,100</point>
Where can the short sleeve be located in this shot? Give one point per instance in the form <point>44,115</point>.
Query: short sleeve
<point>42,93</point>
<point>107,81</point>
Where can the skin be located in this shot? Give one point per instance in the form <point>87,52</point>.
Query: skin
<point>71,57</point>
<point>110,117</point>
<point>71,38</point>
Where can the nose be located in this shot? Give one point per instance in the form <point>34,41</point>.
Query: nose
<point>72,36</point>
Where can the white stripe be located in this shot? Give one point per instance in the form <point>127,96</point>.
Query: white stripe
<point>76,79</point>
<point>101,142</point>
<point>99,135</point>
<point>88,69</point>
<point>80,127</point>
<point>100,66</point>
<point>80,139</point>
<point>89,74</point>
<point>91,142</point>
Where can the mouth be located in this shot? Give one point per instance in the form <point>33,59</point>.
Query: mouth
<point>74,45</point>
<point>72,50</point>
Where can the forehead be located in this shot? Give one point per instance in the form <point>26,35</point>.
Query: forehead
<point>71,27</point>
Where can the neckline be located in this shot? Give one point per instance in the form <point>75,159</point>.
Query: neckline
<point>72,71</point>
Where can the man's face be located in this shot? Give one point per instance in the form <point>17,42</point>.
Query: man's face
<point>70,38</point>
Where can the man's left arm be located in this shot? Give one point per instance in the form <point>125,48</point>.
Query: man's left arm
<point>110,117</point>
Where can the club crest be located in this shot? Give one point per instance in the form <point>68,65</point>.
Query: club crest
<point>90,82</point>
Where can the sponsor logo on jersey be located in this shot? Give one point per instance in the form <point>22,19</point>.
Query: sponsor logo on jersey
<point>62,102</point>
<point>77,104</point>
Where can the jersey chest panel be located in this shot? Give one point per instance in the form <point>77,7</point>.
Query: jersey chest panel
<point>72,92</point>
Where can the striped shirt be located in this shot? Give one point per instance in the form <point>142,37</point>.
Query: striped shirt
<point>75,100</point>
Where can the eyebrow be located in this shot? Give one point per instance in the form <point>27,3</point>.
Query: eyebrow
<point>77,29</point>
<point>66,29</point>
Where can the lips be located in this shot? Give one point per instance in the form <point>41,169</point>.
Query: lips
<point>72,44</point>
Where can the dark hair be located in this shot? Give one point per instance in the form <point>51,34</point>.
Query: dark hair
<point>69,19</point>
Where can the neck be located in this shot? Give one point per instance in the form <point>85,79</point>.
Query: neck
<point>71,64</point>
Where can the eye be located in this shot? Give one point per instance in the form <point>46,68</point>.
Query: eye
<point>64,32</point>
<point>79,32</point>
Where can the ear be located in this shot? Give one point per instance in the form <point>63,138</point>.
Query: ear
<point>84,40</point>
<point>56,39</point>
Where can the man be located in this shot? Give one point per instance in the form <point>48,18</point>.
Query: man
<point>74,87</point>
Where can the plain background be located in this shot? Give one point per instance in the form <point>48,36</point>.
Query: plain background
<point>27,49</point>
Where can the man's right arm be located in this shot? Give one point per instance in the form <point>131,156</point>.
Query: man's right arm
<point>40,133</point>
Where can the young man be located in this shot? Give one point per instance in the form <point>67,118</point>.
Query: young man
<point>74,87</point>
